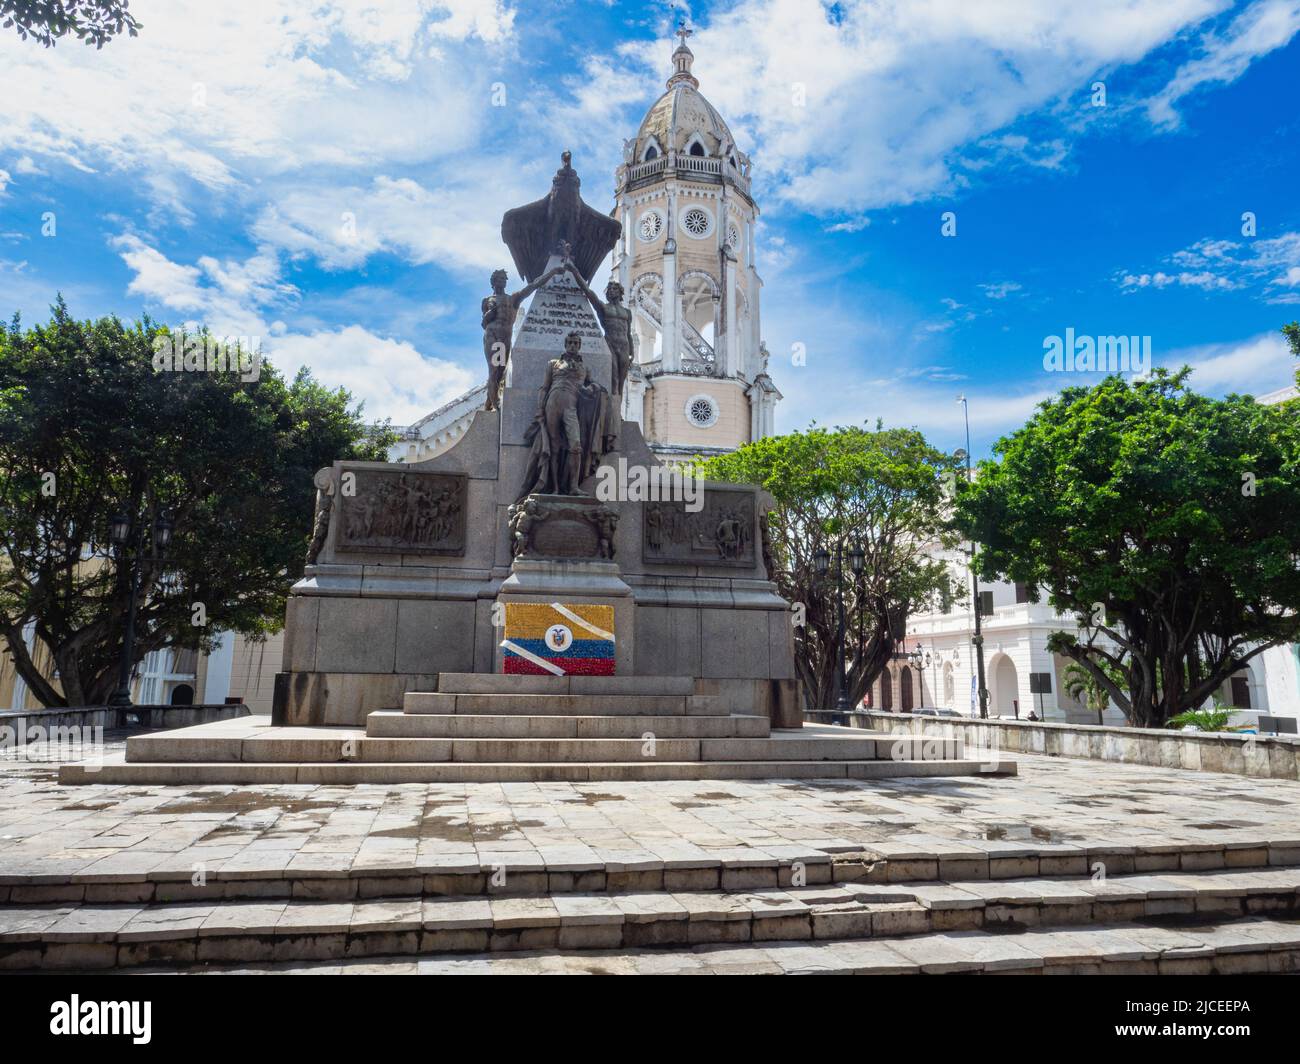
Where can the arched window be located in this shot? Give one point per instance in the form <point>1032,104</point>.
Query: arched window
<point>651,153</point>
<point>905,689</point>
<point>697,149</point>
<point>886,689</point>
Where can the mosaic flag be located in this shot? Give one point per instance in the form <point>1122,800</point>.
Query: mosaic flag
<point>559,639</point>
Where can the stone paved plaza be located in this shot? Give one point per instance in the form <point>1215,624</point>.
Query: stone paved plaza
<point>1055,803</point>
<point>904,875</point>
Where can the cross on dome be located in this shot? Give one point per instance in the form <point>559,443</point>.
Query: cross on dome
<point>682,58</point>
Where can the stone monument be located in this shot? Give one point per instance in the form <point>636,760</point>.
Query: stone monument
<point>413,567</point>
<point>498,613</point>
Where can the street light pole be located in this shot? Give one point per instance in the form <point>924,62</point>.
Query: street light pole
<point>978,640</point>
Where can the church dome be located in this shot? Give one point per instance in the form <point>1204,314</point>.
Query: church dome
<point>682,120</point>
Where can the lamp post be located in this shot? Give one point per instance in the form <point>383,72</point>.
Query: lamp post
<point>920,661</point>
<point>978,639</point>
<point>821,562</point>
<point>128,542</point>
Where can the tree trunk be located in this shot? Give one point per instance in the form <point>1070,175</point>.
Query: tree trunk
<point>44,691</point>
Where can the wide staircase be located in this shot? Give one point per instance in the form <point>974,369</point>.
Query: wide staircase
<point>494,728</point>
<point>1184,909</point>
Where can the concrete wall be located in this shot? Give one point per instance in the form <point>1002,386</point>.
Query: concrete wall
<point>1264,757</point>
<point>16,728</point>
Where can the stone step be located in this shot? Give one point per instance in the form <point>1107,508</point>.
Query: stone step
<point>387,724</point>
<point>565,705</point>
<point>146,878</point>
<point>1250,946</point>
<point>91,936</point>
<point>297,746</point>
<point>114,770</point>
<point>496,683</point>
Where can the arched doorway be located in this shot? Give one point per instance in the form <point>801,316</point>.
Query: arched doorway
<point>1006,687</point>
<point>886,689</point>
<point>905,689</point>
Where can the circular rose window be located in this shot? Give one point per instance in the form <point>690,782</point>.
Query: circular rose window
<point>702,411</point>
<point>650,225</point>
<point>697,222</point>
<point>733,237</point>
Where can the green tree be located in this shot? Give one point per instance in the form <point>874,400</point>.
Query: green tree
<point>1080,684</point>
<point>93,21</point>
<point>1206,720</point>
<point>1167,521</point>
<point>88,428</point>
<point>882,490</point>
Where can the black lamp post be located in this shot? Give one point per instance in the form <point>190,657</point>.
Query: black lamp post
<point>821,562</point>
<point>128,542</point>
<point>920,660</point>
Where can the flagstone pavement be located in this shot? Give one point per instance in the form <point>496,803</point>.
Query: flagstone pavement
<point>1071,805</point>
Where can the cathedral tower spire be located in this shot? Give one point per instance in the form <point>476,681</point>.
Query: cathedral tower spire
<point>686,260</point>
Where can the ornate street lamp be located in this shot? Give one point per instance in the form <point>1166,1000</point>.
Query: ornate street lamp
<point>126,550</point>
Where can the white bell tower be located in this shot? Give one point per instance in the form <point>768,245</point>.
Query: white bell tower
<point>686,261</point>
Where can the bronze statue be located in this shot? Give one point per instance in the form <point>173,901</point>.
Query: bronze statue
<point>499,312</point>
<point>534,232</point>
<point>568,435</point>
<point>324,482</point>
<point>522,516</point>
<point>616,322</point>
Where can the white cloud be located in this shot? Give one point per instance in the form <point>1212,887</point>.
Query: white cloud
<point>229,296</point>
<point>1226,266</point>
<point>390,376</point>
<point>896,91</point>
<point>238,298</point>
<point>1204,279</point>
<point>224,96</point>
<point>1257,365</point>
<point>999,290</point>
<point>1261,28</point>
<point>342,227</point>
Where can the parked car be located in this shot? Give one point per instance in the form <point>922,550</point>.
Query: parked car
<point>936,711</point>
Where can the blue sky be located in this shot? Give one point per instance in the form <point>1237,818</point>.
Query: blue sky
<point>330,176</point>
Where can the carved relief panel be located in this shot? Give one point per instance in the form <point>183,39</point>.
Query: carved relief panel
<point>721,533</point>
<point>402,513</point>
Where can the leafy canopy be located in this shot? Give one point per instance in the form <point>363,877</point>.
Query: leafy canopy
<point>1167,519</point>
<point>92,21</point>
<point>882,490</point>
<point>89,428</point>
